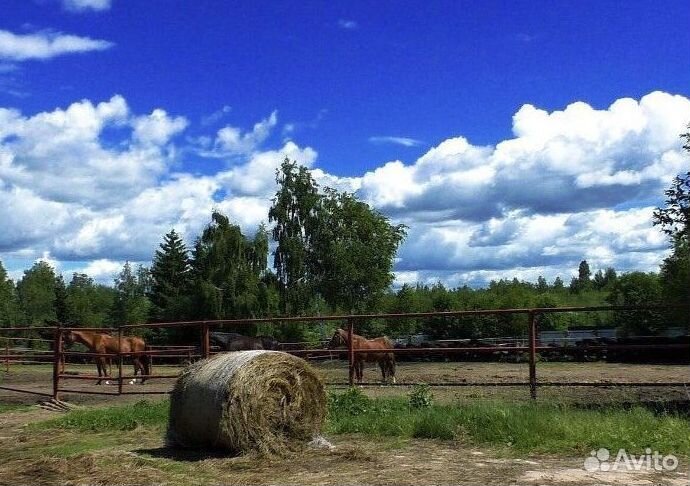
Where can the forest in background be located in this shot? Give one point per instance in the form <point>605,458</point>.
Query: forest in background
<point>334,254</point>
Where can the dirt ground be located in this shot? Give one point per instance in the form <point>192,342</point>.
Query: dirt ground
<point>39,378</point>
<point>140,457</point>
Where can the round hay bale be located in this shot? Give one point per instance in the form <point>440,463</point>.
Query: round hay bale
<point>247,400</point>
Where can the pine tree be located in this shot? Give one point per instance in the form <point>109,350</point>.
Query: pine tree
<point>171,279</point>
<point>584,274</point>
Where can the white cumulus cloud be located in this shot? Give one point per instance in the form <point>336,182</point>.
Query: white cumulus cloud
<point>46,45</point>
<point>95,183</point>
<point>231,141</point>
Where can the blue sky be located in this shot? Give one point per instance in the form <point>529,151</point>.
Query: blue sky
<point>198,100</point>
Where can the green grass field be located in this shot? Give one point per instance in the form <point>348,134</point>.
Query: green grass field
<point>517,427</point>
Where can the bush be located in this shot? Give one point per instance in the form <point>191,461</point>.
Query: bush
<point>421,396</point>
<point>352,402</point>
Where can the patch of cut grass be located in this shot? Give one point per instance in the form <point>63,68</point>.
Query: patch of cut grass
<point>13,407</point>
<point>72,446</point>
<point>124,417</point>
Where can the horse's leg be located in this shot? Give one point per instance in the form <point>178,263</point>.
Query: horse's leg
<point>383,365</point>
<point>360,370</point>
<point>101,369</point>
<point>137,367</point>
<point>392,366</point>
<point>146,366</point>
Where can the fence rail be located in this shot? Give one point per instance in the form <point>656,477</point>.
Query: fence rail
<point>204,349</point>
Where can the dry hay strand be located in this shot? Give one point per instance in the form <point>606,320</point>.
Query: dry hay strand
<point>266,401</point>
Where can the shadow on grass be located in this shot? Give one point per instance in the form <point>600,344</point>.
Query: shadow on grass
<point>187,455</point>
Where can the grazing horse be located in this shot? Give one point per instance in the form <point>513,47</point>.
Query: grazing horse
<point>103,343</point>
<point>386,361</point>
<point>231,341</point>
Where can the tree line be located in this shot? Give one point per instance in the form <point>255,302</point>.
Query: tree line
<point>333,253</point>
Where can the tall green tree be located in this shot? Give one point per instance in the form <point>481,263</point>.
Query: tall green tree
<point>88,304</point>
<point>675,279</point>
<point>60,298</point>
<point>638,289</point>
<point>227,269</point>
<point>131,305</point>
<point>603,280</point>
<point>674,216</point>
<point>171,279</point>
<point>10,313</point>
<point>406,301</point>
<point>674,219</point>
<point>37,295</point>
<point>354,250</point>
<point>295,213</point>
<point>582,282</point>
<point>584,274</point>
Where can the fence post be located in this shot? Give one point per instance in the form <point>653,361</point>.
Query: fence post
<point>57,356</point>
<point>205,342</point>
<point>7,354</point>
<point>350,350</point>
<point>119,360</point>
<point>532,355</point>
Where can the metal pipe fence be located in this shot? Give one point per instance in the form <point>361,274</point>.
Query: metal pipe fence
<point>204,349</point>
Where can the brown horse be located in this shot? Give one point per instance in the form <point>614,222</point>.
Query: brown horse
<point>104,343</point>
<point>386,361</point>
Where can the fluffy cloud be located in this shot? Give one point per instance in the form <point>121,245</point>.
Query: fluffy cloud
<point>230,141</point>
<point>63,155</point>
<point>157,128</point>
<point>46,45</point>
<point>98,184</point>
<point>256,176</point>
<point>577,159</point>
